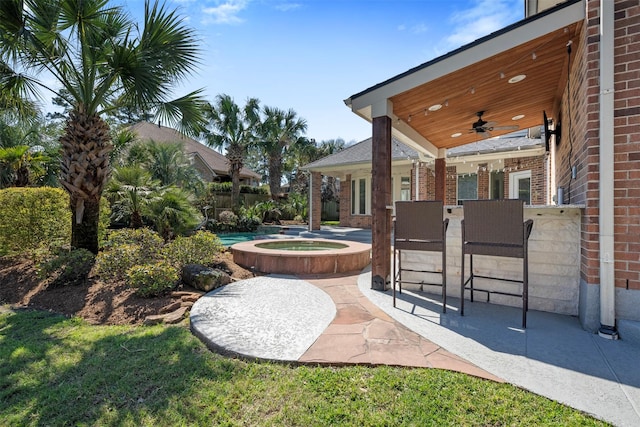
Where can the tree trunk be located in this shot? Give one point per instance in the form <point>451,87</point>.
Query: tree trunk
<point>275,175</point>
<point>86,145</point>
<point>85,234</point>
<point>235,154</point>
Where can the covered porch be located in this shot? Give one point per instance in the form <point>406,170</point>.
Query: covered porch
<point>519,77</point>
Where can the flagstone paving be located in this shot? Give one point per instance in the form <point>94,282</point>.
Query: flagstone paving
<point>361,333</point>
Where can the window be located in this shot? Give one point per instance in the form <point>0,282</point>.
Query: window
<point>405,188</point>
<point>467,187</point>
<point>363,196</point>
<point>353,197</point>
<point>359,196</point>
<point>497,185</point>
<point>520,186</point>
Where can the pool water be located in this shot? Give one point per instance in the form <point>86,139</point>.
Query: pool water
<point>229,239</point>
<point>298,245</point>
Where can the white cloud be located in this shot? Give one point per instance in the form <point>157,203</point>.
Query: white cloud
<point>482,19</point>
<point>286,7</point>
<point>225,12</point>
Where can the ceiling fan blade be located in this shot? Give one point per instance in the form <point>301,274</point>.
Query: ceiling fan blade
<point>512,127</point>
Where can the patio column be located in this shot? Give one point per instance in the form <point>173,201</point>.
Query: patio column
<point>381,197</point>
<point>315,210</point>
<point>441,175</point>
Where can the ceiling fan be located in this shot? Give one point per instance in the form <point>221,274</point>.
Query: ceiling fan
<point>484,128</point>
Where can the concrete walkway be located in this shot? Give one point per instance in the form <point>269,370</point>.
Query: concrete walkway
<point>340,320</point>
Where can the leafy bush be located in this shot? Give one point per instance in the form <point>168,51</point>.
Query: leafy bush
<point>31,217</point>
<point>248,223</point>
<point>225,187</point>
<point>126,248</point>
<point>201,248</point>
<point>228,218</point>
<point>67,267</point>
<point>150,280</point>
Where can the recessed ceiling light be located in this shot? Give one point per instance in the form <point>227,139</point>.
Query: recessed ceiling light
<point>455,135</point>
<point>518,117</point>
<point>435,107</point>
<point>518,78</point>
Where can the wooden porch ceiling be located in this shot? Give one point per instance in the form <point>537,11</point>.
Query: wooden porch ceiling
<point>479,77</point>
<point>484,86</point>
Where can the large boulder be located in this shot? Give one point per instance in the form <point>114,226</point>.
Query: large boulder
<point>203,277</point>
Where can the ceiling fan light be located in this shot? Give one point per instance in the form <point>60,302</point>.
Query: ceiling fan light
<point>518,78</point>
<point>518,117</point>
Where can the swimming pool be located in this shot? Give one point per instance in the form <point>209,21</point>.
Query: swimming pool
<point>229,239</point>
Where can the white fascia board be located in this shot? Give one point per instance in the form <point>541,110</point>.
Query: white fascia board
<point>475,53</point>
<point>407,135</point>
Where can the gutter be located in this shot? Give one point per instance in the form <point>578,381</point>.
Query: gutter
<point>606,183</point>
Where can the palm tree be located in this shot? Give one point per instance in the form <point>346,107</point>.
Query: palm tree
<point>129,191</point>
<point>233,128</point>
<point>172,213</point>
<point>17,165</point>
<point>100,61</point>
<point>279,130</point>
<point>169,165</point>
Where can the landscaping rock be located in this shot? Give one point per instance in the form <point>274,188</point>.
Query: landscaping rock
<point>171,307</point>
<point>176,316</point>
<point>204,278</point>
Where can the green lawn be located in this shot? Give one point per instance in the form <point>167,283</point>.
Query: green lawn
<point>59,371</point>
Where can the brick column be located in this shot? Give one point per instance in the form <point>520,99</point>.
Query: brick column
<point>345,201</point>
<point>483,181</point>
<point>316,200</point>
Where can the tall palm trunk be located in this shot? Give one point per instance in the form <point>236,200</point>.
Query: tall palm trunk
<point>86,144</point>
<point>275,174</point>
<point>235,155</point>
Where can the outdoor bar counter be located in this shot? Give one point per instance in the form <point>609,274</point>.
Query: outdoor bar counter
<point>554,261</point>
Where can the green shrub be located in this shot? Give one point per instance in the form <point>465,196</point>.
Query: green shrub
<point>150,280</point>
<point>145,237</point>
<point>32,217</point>
<point>228,218</point>
<point>67,267</point>
<point>126,248</point>
<point>201,248</point>
<point>248,223</point>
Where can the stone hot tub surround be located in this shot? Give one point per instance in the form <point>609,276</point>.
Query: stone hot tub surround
<point>268,256</point>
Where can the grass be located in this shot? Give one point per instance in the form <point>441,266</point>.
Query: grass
<point>60,371</point>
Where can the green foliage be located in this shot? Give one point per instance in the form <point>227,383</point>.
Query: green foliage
<point>225,187</point>
<point>151,280</point>
<point>201,248</point>
<point>67,267</point>
<point>295,205</point>
<point>171,212</point>
<point>268,211</point>
<point>228,218</point>
<point>125,249</point>
<point>32,217</point>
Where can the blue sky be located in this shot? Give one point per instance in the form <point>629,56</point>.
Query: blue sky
<point>310,55</point>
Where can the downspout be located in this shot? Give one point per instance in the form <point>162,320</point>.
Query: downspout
<point>606,188</point>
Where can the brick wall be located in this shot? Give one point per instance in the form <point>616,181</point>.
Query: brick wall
<point>451,184</point>
<point>426,184</point>
<point>627,144</point>
<point>579,146</point>
<point>346,219</point>
<point>483,181</point>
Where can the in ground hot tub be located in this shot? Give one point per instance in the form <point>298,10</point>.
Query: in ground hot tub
<point>302,256</point>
